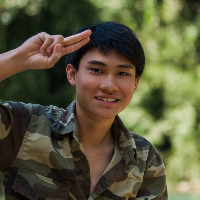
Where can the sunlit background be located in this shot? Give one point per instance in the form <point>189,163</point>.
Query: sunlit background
<point>166,106</point>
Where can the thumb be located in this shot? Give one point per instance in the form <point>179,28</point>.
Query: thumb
<point>55,56</point>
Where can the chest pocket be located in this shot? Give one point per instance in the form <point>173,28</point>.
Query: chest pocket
<point>28,185</point>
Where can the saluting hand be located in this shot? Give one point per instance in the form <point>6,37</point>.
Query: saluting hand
<point>42,51</point>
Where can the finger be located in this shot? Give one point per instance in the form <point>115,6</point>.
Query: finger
<point>76,38</point>
<point>47,41</point>
<point>55,56</point>
<point>58,39</point>
<point>73,47</point>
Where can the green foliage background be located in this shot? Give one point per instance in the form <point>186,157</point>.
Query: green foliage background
<point>166,106</point>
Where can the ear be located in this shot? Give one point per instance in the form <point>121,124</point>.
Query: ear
<point>136,82</point>
<point>71,74</point>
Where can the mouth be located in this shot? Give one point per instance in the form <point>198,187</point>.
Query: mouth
<point>106,99</point>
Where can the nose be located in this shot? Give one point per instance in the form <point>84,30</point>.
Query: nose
<point>109,85</point>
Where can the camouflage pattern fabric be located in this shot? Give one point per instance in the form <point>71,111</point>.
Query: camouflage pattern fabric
<point>41,158</point>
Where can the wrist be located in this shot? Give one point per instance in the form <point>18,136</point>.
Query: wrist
<point>19,60</point>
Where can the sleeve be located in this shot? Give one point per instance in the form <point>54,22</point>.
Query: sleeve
<point>154,182</point>
<point>14,120</point>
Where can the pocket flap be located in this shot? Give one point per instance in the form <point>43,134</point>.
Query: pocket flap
<point>34,186</point>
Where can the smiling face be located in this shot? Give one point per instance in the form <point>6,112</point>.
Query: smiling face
<point>105,84</point>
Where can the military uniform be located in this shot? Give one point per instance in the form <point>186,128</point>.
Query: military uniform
<point>41,158</point>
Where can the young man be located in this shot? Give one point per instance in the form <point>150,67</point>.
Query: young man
<point>85,151</point>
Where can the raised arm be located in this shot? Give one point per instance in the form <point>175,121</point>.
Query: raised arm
<point>41,51</point>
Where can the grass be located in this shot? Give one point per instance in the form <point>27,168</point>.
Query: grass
<point>184,196</point>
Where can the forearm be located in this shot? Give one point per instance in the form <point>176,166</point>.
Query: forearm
<point>10,64</point>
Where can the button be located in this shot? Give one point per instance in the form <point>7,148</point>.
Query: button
<point>84,171</point>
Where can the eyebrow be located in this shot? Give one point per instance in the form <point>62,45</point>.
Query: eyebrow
<point>96,62</point>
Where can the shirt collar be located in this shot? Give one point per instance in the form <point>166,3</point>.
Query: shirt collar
<point>126,143</point>
<point>67,123</point>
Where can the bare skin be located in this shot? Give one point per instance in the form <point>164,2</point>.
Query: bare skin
<point>41,51</point>
<point>98,145</point>
<point>99,159</point>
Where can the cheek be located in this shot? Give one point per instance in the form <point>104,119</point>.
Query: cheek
<point>86,84</point>
<point>128,88</point>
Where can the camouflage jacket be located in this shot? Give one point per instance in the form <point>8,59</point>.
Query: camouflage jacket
<point>41,158</point>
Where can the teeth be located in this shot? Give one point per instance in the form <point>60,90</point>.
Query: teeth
<point>107,99</point>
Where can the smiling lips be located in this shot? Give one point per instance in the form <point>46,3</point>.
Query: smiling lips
<point>106,99</point>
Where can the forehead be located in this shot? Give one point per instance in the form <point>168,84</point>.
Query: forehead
<point>110,57</point>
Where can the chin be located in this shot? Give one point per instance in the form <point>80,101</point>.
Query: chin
<point>106,116</point>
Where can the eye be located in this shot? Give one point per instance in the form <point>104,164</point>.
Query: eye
<point>96,70</point>
<point>123,74</point>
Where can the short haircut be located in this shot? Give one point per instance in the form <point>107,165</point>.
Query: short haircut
<point>108,36</point>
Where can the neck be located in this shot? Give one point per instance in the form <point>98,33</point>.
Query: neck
<point>95,133</point>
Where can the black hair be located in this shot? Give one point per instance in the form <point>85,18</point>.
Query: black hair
<point>108,36</point>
